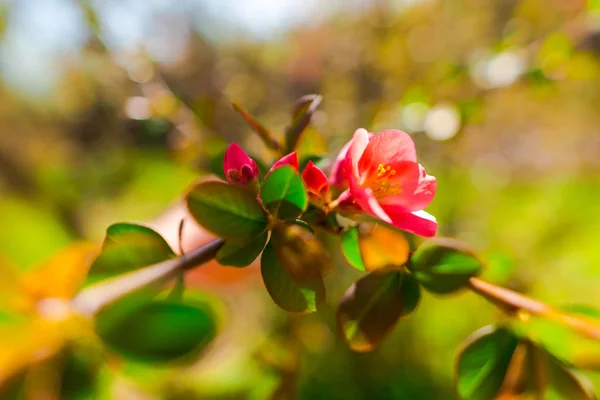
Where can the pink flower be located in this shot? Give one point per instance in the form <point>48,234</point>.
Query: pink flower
<point>315,181</point>
<point>238,166</point>
<point>290,159</point>
<point>386,181</point>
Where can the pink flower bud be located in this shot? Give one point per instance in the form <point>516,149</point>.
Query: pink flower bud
<point>238,166</point>
<point>290,159</point>
<point>315,180</point>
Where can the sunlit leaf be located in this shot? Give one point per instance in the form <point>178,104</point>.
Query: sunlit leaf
<point>283,193</point>
<point>12,291</point>
<point>161,331</point>
<point>228,211</point>
<point>444,265</point>
<point>128,247</point>
<point>63,274</point>
<point>300,294</point>
<point>381,246</point>
<point>483,361</point>
<point>24,340</point>
<point>241,253</point>
<point>372,306</point>
<point>351,249</point>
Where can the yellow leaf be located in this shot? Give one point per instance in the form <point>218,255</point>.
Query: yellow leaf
<point>63,274</point>
<point>12,296</point>
<point>381,246</point>
<point>24,342</point>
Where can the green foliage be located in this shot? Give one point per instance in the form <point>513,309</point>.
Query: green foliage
<point>372,306</point>
<point>302,115</point>
<point>562,341</point>
<point>78,381</point>
<point>241,253</point>
<point>265,135</point>
<point>128,247</point>
<point>351,249</point>
<point>161,331</point>
<point>444,265</point>
<point>299,293</point>
<point>228,211</point>
<point>483,362</point>
<point>283,193</point>
<point>495,362</point>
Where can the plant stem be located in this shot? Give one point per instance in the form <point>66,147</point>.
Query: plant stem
<point>514,302</point>
<point>95,298</point>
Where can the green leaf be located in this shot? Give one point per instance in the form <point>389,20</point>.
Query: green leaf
<point>351,249</point>
<point>128,247</point>
<point>563,342</point>
<point>373,305</point>
<point>561,382</point>
<point>483,361</point>
<point>303,112</point>
<point>241,253</point>
<point>160,331</point>
<point>79,374</point>
<point>300,294</point>
<point>228,211</point>
<point>258,128</point>
<point>444,265</point>
<point>283,193</point>
<point>299,251</point>
<point>497,363</point>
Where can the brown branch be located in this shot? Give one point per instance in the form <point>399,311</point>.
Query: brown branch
<point>95,298</point>
<point>514,302</point>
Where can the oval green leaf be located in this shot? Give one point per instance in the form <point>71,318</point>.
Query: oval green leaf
<point>283,193</point>
<point>444,265</point>
<point>482,362</point>
<point>299,294</point>
<point>128,247</point>
<point>372,306</point>
<point>160,331</point>
<point>241,253</point>
<point>228,211</point>
<point>497,363</point>
<point>351,249</point>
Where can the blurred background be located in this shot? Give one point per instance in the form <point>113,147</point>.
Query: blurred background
<point>110,109</point>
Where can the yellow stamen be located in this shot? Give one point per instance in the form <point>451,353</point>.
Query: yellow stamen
<point>380,183</point>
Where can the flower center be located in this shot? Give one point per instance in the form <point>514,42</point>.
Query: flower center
<point>379,182</point>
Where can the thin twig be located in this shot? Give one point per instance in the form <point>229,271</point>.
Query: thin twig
<point>95,298</point>
<point>514,302</point>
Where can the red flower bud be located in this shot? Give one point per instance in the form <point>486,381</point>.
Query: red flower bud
<point>238,166</point>
<point>315,180</point>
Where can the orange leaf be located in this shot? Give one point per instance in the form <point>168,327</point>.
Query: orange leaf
<point>63,274</point>
<point>381,246</point>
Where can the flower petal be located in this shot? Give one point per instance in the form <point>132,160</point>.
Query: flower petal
<point>360,141</point>
<point>366,200</point>
<point>418,190</point>
<point>238,166</point>
<point>338,174</point>
<point>418,222</point>
<point>290,159</point>
<point>385,148</point>
<point>315,180</point>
